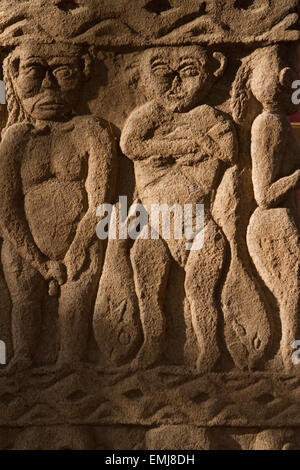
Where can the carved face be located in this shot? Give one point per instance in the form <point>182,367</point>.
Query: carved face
<point>271,84</point>
<point>47,80</point>
<point>179,78</point>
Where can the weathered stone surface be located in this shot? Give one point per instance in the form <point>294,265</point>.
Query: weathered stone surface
<point>174,342</point>
<point>149,22</point>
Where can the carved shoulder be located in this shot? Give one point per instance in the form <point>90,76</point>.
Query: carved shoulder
<point>268,123</point>
<point>146,112</point>
<point>12,150</point>
<point>138,128</point>
<point>15,135</point>
<point>97,134</point>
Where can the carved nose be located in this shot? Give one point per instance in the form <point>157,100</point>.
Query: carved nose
<point>176,82</point>
<point>48,80</point>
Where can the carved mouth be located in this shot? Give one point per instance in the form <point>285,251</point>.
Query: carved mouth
<point>50,105</point>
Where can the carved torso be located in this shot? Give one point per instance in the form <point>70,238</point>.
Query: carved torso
<point>53,172</point>
<point>275,147</point>
<point>188,178</point>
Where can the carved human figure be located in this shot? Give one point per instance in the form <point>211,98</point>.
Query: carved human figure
<point>273,232</point>
<point>180,147</point>
<point>55,168</point>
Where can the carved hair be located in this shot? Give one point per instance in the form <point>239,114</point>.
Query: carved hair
<point>241,90</point>
<point>15,110</point>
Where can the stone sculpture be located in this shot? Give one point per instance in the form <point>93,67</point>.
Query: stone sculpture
<point>178,145</point>
<point>56,168</point>
<point>147,342</point>
<point>273,233</point>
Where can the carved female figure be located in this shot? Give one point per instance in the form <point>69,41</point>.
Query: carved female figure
<point>273,232</point>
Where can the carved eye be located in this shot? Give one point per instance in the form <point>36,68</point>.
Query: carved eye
<point>161,70</point>
<point>34,70</point>
<point>63,73</point>
<point>189,71</point>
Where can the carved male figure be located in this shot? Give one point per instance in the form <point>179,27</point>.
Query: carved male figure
<point>180,147</point>
<point>55,168</point>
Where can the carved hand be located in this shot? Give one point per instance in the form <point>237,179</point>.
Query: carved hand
<point>54,270</point>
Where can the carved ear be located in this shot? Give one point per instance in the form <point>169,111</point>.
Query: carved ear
<point>222,60</point>
<point>286,76</point>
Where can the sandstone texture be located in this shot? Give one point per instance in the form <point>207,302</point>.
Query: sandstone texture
<point>162,341</point>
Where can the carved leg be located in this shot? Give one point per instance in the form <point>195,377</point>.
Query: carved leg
<point>76,311</point>
<point>274,246</point>
<point>27,289</point>
<point>151,262</point>
<point>203,271</point>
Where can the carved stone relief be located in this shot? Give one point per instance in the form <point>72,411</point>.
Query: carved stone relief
<point>160,340</point>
